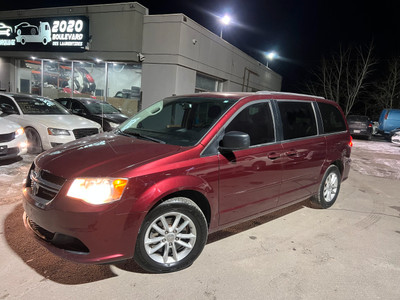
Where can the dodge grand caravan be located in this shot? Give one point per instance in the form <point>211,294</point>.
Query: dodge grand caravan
<point>186,166</point>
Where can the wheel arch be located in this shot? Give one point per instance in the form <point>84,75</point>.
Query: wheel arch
<point>339,165</point>
<point>197,197</point>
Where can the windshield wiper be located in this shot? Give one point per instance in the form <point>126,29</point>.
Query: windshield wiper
<point>139,135</point>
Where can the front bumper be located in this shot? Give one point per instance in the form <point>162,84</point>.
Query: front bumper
<point>14,148</point>
<point>81,235</point>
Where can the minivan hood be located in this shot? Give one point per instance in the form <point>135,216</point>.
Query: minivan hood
<point>101,155</point>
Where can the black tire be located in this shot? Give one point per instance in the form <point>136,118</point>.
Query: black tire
<point>34,141</point>
<point>329,187</point>
<point>177,246</point>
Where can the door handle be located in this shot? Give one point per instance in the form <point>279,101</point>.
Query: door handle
<point>274,155</point>
<point>291,153</point>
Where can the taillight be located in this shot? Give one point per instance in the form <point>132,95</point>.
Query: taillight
<point>370,125</point>
<point>386,115</point>
<point>351,142</point>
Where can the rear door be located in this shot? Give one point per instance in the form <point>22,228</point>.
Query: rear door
<point>304,150</point>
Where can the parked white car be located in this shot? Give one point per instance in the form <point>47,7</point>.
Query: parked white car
<point>47,124</point>
<point>13,140</point>
<point>396,137</point>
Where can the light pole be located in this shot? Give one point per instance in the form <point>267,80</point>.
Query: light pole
<point>225,21</point>
<point>270,56</point>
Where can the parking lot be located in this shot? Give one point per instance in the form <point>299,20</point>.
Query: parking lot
<point>350,251</point>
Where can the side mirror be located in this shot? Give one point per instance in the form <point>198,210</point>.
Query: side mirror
<point>235,140</point>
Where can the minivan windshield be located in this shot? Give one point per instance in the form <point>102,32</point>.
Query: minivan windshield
<point>179,121</point>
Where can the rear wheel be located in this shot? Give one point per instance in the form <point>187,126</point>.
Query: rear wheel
<point>329,187</point>
<point>172,236</point>
<point>34,141</point>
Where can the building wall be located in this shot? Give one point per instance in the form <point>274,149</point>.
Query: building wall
<point>116,30</point>
<point>176,40</point>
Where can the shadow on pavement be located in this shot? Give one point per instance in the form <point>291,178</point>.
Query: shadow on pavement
<point>62,271</point>
<point>47,264</point>
<point>216,236</point>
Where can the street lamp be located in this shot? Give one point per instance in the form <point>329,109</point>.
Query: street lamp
<point>225,21</point>
<point>271,56</point>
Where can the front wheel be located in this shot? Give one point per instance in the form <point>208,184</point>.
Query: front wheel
<point>329,187</point>
<point>172,236</point>
<point>34,141</point>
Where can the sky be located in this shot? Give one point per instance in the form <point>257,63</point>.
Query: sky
<point>300,31</point>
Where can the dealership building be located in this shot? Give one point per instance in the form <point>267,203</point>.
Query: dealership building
<point>122,54</point>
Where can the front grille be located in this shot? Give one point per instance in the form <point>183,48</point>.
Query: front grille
<point>44,185</point>
<point>80,133</point>
<point>7,137</point>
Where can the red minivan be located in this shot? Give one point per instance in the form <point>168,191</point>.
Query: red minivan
<point>186,166</point>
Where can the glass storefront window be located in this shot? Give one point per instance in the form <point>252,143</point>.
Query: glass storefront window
<point>56,78</point>
<point>117,83</point>
<point>89,80</point>
<point>123,86</point>
<point>28,76</point>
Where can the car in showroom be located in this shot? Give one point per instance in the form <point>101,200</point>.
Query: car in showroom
<point>187,166</point>
<point>13,142</point>
<point>47,124</point>
<point>99,111</point>
<point>360,126</point>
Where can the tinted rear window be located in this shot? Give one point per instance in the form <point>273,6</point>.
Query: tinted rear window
<point>298,119</point>
<point>332,118</point>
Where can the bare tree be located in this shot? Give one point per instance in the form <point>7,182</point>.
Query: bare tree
<point>344,76</point>
<point>388,91</point>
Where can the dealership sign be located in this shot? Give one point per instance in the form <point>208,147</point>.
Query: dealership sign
<point>45,34</point>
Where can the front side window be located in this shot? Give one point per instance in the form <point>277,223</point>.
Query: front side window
<point>298,119</point>
<point>177,121</point>
<point>332,118</point>
<point>255,120</point>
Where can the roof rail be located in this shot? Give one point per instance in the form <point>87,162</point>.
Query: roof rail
<point>285,93</point>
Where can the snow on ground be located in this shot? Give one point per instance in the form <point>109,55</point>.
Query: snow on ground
<point>12,174</point>
<point>376,158</point>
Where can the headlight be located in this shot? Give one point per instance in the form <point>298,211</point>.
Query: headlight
<point>56,131</point>
<point>98,190</point>
<point>113,125</point>
<point>18,132</point>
